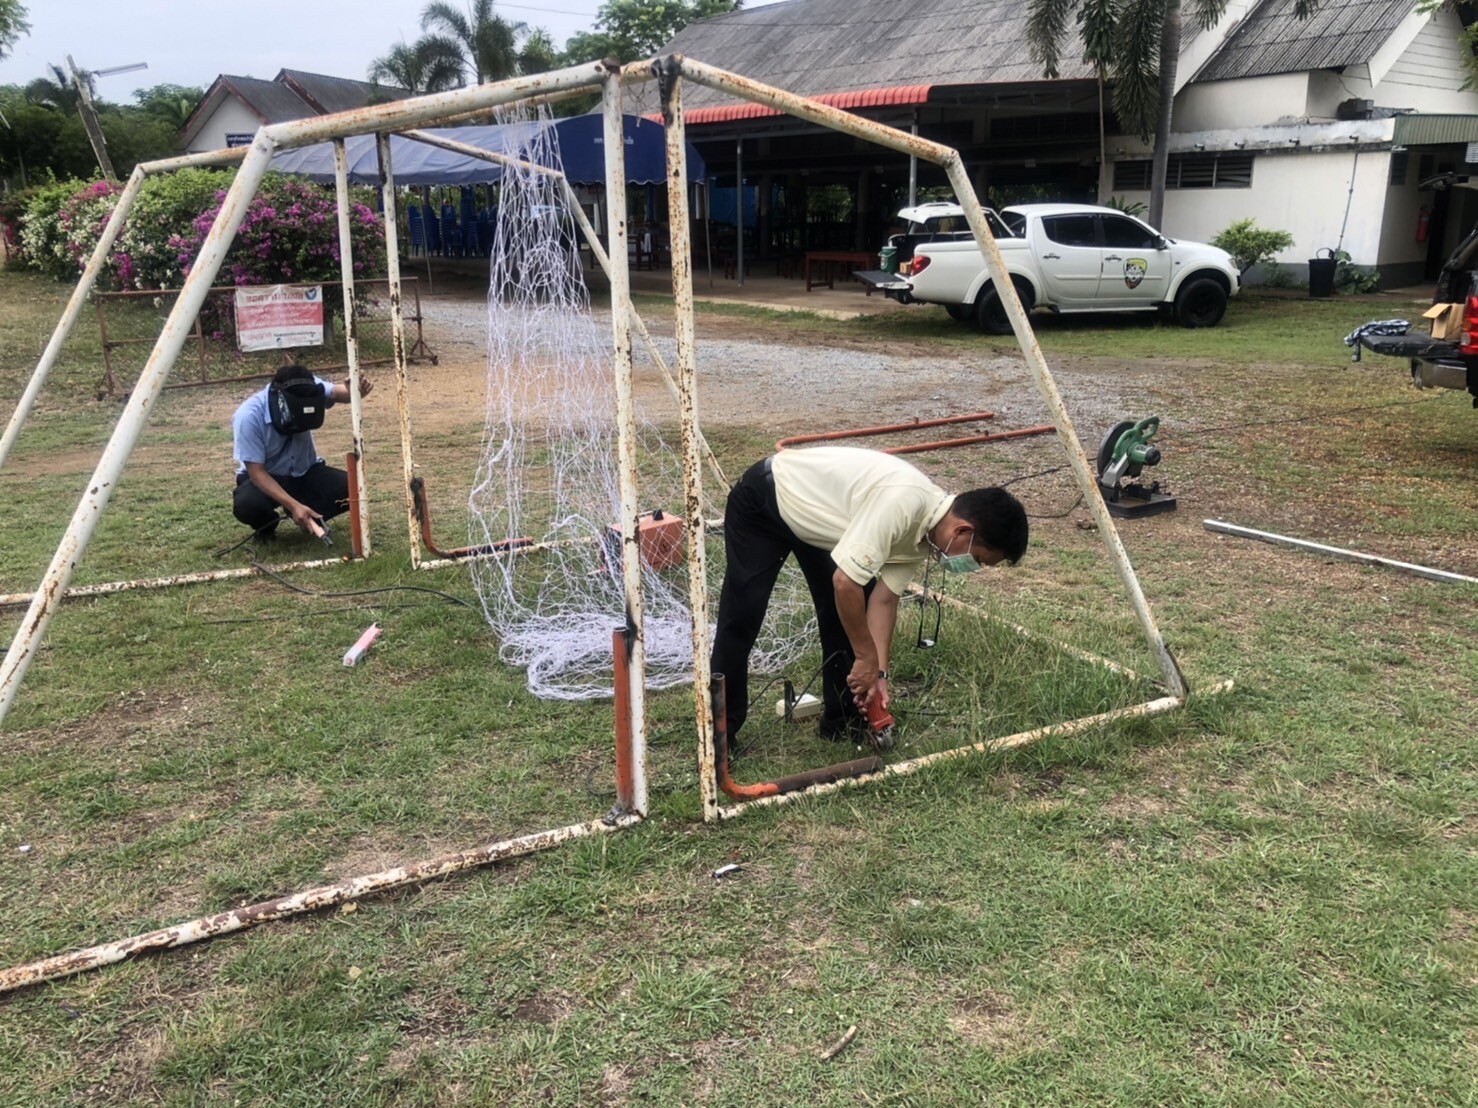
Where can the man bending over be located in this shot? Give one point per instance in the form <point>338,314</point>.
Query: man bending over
<point>860,524</point>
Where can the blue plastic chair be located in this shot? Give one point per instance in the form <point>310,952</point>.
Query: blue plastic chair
<point>433,232</point>
<point>417,228</point>
<point>469,223</point>
<point>451,241</point>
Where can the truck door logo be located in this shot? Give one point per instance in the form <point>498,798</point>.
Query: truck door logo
<point>1134,271</point>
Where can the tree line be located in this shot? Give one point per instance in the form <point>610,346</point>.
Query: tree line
<point>42,137</point>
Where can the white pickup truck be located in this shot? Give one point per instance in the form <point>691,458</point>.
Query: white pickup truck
<point>1068,258</point>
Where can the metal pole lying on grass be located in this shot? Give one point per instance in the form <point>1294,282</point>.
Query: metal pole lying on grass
<point>310,900</point>
<point>1430,574</point>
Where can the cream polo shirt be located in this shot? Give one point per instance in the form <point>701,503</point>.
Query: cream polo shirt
<point>871,510</point>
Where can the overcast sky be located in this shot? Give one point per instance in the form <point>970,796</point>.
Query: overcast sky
<point>191,42</point>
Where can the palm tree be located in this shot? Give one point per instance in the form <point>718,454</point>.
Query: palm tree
<point>433,63</point>
<point>488,42</point>
<point>57,91</point>
<point>1127,40</point>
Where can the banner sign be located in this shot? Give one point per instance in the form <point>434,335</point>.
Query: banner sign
<point>271,317</point>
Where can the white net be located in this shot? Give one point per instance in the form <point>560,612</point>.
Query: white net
<point>547,482</point>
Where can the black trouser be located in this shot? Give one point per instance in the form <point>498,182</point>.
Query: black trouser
<point>756,543</point>
<point>323,488</point>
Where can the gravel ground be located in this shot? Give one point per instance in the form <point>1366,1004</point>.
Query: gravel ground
<point>796,388</point>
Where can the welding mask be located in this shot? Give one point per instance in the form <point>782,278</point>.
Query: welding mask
<point>296,406</point>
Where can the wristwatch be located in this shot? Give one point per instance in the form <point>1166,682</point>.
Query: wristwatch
<point>882,675</point>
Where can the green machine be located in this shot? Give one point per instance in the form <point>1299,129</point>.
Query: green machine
<point>1125,452</point>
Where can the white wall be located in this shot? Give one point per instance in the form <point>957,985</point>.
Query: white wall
<point>232,117</point>
<point>1249,102</point>
<point>1303,194</point>
<point>1398,233</point>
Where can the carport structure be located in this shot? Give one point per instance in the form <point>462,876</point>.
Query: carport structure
<point>669,73</point>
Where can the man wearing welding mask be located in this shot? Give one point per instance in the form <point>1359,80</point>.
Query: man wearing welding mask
<point>860,524</point>
<point>277,464</point>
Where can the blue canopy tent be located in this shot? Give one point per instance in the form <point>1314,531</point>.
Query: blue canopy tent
<point>581,141</point>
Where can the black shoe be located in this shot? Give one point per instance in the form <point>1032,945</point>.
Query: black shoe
<point>846,729</point>
<point>268,532</point>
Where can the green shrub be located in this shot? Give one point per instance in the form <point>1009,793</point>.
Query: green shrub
<point>43,239</point>
<point>166,207</point>
<point>1351,278</point>
<point>1277,276</point>
<point>1249,244</point>
<point>1128,207</point>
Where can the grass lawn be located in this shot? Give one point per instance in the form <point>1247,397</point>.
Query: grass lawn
<point>1271,897</point>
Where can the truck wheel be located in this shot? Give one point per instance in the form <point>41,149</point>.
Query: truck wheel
<point>960,313</point>
<point>990,313</point>
<point>1201,302</point>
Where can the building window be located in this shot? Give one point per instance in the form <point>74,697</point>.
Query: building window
<point>1398,167</point>
<point>1227,170</point>
<point>1131,176</point>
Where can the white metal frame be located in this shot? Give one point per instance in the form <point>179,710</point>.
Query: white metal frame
<point>401,116</point>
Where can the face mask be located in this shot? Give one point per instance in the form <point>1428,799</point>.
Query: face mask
<point>958,563</point>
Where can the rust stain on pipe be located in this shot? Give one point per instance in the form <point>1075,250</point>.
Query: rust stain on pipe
<point>796,782</point>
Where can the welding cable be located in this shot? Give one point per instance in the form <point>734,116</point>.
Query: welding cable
<point>359,592</point>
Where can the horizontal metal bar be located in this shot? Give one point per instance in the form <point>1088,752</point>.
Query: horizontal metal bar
<point>1010,742</point>
<point>398,115</point>
<point>311,900</point>
<point>10,600</point>
<point>206,157</point>
<point>1339,552</point>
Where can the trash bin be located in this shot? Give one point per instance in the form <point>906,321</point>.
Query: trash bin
<point>1321,274</point>
<point>888,257</point>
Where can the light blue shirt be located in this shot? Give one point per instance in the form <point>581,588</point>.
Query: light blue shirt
<point>258,441</point>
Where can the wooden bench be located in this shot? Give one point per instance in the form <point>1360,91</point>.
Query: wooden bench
<point>825,260</point>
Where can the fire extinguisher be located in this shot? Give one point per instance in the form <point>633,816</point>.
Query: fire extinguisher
<point>1423,223</point>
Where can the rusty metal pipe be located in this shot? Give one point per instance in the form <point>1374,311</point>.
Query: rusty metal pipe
<point>691,441</point>
<point>971,440</point>
<point>359,496</point>
<point>88,279</point>
<point>883,429</point>
<point>73,309</point>
<point>796,782</point>
<point>964,191</point>
<point>397,339</point>
<point>78,592</point>
<point>1009,742</point>
<point>621,639</point>
<point>615,159</point>
<point>310,900</point>
<point>356,521</point>
<point>131,423</point>
<point>418,111</point>
<point>502,546</point>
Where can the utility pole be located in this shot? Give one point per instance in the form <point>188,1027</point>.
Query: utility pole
<point>90,116</point>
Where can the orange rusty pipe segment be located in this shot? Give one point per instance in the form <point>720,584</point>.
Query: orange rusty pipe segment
<point>621,674</point>
<point>423,514</point>
<point>796,782</point>
<point>971,440</point>
<point>885,429</point>
<point>356,534</point>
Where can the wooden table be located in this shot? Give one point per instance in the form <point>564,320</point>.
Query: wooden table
<point>826,259</point>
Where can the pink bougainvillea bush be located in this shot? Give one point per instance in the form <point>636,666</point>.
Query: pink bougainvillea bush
<point>290,232</point>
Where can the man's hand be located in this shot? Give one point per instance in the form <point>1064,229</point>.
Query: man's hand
<point>341,392</point>
<point>878,695</point>
<point>864,677</point>
<point>305,517</point>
